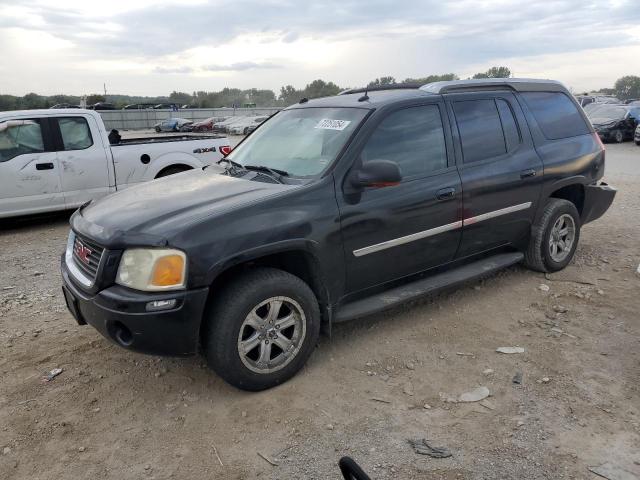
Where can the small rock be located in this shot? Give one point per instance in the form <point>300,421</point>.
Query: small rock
<point>517,378</point>
<point>368,364</point>
<point>410,366</point>
<point>81,449</point>
<point>244,414</point>
<point>37,274</point>
<point>147,467</point>
<point>6,450</point>
<point>488,371</point>
<point>543,287</point>
<point>560,309</point>
<point>329,426</point>
<point>427,406</point>
<point>96,410</point>
<point>510,350</point>
<point>600,292</point>
<point>49,376</point>
<point>520,423</point>
<point>545,379</point>
<point>408,389</point>
<point>475,395</point>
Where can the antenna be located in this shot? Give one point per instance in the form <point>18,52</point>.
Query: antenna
<point>365,97</point>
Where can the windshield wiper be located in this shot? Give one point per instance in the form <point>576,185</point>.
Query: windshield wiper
<point>274,172</point>
<point>232,167</point>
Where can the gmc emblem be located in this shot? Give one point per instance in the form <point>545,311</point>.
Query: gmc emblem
<point>82,252</point>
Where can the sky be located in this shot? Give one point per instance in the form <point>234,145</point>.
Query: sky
<point>153,47</point>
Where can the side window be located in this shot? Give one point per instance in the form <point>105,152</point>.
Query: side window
<point>509,125</point>
<point>75,133</point>
<point>413,138</point>
<point>556,114</point>
<point>480,129</point>
<point>18,137</point>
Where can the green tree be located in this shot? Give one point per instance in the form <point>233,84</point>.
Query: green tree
<point>432,78</point>
<point>320,88</point>
<point>180,98</point>
<point>289,95</point>
<point>494,72</point>
<point>378,82</point>
<point>95,98</point>
<point>627,87</point>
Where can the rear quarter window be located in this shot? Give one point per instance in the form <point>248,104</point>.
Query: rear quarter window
<point>556,114</point>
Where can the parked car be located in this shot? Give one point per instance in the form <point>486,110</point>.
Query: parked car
<point>174,125</point>
<point>585,100</point>
<point>242,127</point>
<point>615,123</point>
<point>207,124</point>
<point>337,208</point>
<point>223,126</point>
<point>138,106</point>
<point>165,106</point>
<point>64,105</point>
<point>636,137</point>
<point>103,106</point>
<point>60,159</point>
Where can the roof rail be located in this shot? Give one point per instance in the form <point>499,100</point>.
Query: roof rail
<point>517,84</point>
<point>391,86</point>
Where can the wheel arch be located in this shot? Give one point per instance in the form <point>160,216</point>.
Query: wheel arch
<point>298,259</point>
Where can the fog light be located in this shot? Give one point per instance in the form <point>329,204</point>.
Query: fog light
<point>161,305</point>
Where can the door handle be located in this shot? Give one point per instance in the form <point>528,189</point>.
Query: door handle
<point>528,173</point>
<point>446,193</point>
<point>44,166</point>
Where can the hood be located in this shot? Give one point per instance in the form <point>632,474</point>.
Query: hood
<point>600,121</point>
<point>150,213</point>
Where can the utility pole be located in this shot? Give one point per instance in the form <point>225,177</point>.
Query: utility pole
<point>105,90</point>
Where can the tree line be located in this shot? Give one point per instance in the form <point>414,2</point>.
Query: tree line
<point>627,87</point>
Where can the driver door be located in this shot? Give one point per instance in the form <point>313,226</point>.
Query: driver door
<point>29,170</point>
<point>395,231</point>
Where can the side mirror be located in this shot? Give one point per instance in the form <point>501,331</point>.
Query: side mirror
<point>376,173</point>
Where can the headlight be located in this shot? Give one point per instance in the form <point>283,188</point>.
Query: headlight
<point>152,269</point>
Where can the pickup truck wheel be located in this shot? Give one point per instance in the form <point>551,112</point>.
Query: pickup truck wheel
<point>158,129</point>
<point>555,237</point>
<point>262,329</point>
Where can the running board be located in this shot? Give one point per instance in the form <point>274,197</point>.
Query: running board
<point>425,286</point>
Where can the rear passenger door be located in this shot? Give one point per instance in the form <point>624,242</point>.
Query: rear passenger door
<point>83,159</point>
<point>500,170</point>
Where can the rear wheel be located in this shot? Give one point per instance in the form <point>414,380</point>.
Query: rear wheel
<point>158,129</point>
<point>555,237</point>
<point>617,136</point>
<point>262,329</point>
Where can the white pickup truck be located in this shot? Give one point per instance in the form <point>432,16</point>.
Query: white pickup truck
<point>59,159</point>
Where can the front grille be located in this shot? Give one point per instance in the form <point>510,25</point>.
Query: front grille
<point>86,256</point>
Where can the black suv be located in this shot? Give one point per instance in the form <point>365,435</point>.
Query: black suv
<point>333,209</point>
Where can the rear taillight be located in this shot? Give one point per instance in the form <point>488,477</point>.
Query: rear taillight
<point>225,150</point>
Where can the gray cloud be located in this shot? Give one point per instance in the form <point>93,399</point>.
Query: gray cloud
<point>184,69</point>
<point>466,31</point>
<point>240,67</point>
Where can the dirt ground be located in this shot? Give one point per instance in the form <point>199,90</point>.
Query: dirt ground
<point>113,414</point>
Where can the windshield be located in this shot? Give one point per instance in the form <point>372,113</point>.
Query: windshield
<point>608,112</point>
<point>301,142</point>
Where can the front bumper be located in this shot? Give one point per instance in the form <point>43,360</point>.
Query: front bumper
<point>120,314</point>
<point>597,200</point>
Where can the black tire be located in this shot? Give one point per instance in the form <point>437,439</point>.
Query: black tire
<point>617,136</point>
<point>246,130</point>
<point>225,317</point>
<point>171,171</point>
<point>538,255</point>
<point>638,142</point>
<point>158,129</point>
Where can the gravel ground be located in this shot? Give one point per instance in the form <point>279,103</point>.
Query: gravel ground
<point>377,383</point>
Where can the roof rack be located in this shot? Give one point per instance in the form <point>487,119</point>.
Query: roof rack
<point>517,84</point>
<point>391,86</point>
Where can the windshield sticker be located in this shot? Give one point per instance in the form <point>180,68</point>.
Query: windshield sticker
<point>328,124</point>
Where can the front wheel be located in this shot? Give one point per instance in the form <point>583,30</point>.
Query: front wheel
<point>261,329</point>
<point>555,237</point>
